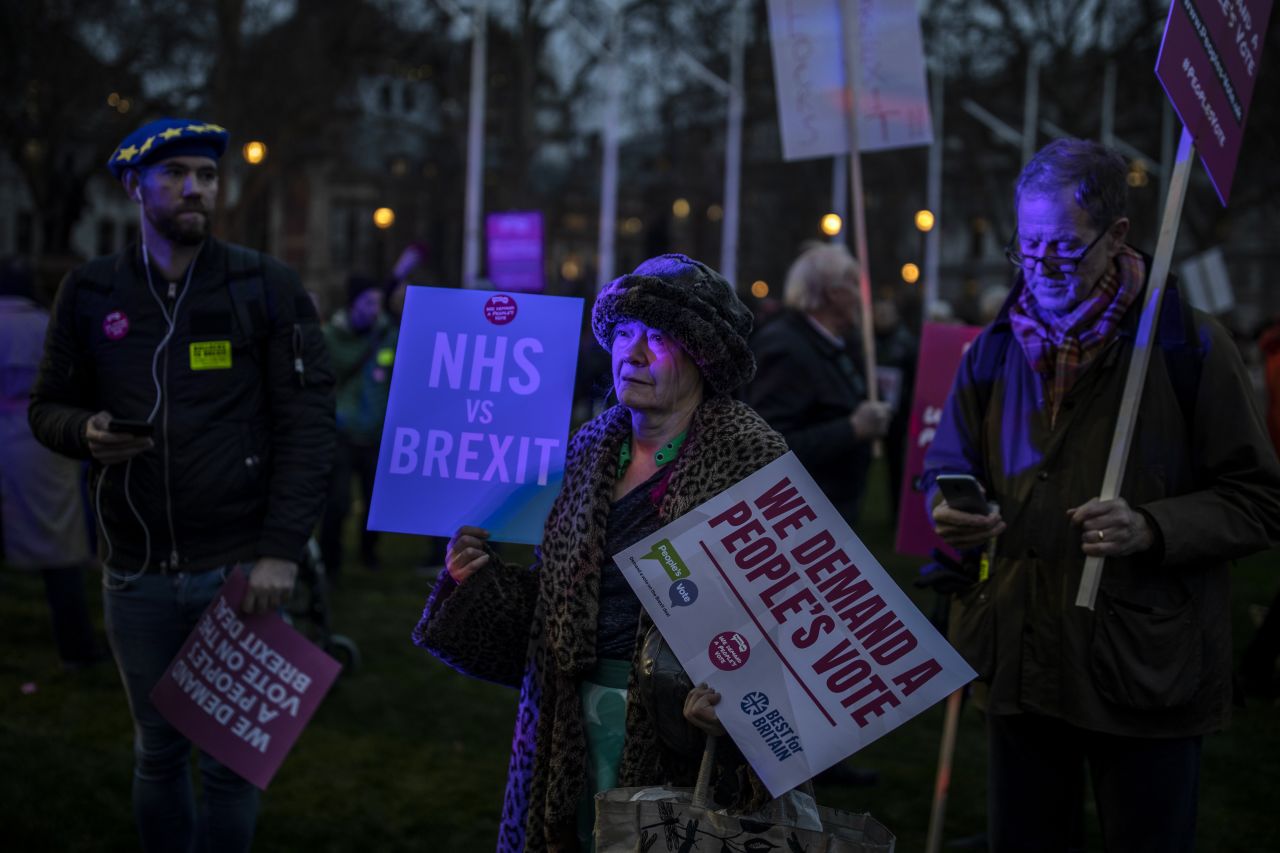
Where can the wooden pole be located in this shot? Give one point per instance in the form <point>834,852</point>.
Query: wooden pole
<point>840,195</point>
<point>1142,347</point>
<point>942,782</point>
<point>852,77</point>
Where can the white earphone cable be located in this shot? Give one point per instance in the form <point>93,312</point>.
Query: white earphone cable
<point>171,320</point>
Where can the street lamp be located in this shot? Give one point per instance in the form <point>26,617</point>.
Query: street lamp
<point>1137,176</point>
<point>384,217</point>
<point>832,224</point>
<point>924,220</point>
<point>254,152</point>
<point>680,207</point>
<point>910,273</point>
<point>760,289</point>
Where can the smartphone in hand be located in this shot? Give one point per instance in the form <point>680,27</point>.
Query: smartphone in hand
<point>963,492</point>
<point>140,429</point>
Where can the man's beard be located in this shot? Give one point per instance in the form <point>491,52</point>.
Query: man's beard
<point>177,230</point>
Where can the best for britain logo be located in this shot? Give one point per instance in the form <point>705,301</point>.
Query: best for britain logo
<point>754,703</point>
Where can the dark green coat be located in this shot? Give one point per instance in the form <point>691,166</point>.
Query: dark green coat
<point>1154,657</point>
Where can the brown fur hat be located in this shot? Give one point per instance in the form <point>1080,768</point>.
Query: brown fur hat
<point>691,302</point>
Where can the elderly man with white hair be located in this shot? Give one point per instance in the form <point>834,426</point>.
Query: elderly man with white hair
<point>810,383</point>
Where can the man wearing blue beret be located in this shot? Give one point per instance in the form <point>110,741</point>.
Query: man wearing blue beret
<point>193,374</point>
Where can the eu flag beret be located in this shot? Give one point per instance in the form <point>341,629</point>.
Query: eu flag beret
<point>168,137</point>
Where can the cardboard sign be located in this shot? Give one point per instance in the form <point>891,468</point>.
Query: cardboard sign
<point>765,594</point>
<point>892,101</point>
<point>514,248</point>
<point>942,345</point>
<point>1208,64</point>
<point>478,419</point>
<point>1206,283</point>
<point>243,688</point>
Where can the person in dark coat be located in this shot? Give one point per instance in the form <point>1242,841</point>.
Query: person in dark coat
<point>1127,689</point>
<point>810,383</point>
<point>193,374</point>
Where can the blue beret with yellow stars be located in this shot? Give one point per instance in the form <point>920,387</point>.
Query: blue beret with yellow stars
<point>168,137</point>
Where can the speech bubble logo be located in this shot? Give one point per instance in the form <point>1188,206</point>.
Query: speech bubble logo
<point>683,593</point>
<point>669,558</point>
<point>728,650</point>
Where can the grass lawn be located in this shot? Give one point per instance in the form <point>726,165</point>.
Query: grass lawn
<point>405,754</point>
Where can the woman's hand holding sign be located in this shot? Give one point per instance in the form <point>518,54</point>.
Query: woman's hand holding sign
<point>700,709</point>
<point>466,554</point>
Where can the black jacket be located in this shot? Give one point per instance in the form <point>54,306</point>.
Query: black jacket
<point>807,389</point>
<point>244,424</point>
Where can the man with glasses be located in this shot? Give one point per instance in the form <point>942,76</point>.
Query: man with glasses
<point>1126,690</point>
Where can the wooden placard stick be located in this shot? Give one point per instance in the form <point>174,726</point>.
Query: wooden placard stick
<point>852,79</point>
<point>1141,357</point>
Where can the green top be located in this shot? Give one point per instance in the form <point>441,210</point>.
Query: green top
<point>664,454</point>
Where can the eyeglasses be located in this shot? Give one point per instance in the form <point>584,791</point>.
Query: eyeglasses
<point>1052,263</point>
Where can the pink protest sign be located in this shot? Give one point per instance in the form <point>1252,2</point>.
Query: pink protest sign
<point>514,242</point>
<point>1208,64</point>
<point>942,346</point>
<point>244,687</point>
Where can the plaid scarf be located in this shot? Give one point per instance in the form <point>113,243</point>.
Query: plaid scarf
<point>1060,349</point>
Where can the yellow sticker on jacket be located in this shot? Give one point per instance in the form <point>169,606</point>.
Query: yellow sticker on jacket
<point>210,355</point>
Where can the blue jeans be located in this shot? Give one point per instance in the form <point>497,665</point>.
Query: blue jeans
<point>147,620</point>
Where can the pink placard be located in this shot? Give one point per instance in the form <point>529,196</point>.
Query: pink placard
<point>1208,64</point>
<point>942,345</point>
<point>244,687</point>
<point>514,244</point>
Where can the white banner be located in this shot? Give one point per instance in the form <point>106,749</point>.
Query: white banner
<point>765,594</point>
<point>893,99</point>
<point>1205,282</point>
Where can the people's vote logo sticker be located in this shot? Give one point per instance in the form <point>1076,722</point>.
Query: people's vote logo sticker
<point>729,650</point>
<point>115,325</point>
<point>683,593</point>
<point>500,309</point>
<point>667,556</point>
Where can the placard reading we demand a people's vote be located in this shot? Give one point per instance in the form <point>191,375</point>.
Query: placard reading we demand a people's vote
<point>765,594</point>
<point>243,688</point>
<point>478,420</point>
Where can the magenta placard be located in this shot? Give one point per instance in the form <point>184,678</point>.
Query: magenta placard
<point>1208,64</point>
<point>514,249</point>
<point>244,687</point>
<point>942,345</point>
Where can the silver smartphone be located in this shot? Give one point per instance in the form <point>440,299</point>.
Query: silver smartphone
<point>963,492</point>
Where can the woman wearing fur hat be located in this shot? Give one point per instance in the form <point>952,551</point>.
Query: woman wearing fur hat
<point>568,630</point>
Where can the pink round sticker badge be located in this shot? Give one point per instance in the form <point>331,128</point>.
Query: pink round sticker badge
<point>115,325</point>
<point>729,650</point>
<point>500,309</point>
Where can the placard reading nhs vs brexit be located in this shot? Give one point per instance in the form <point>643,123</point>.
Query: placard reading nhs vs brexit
<point>478,420</point>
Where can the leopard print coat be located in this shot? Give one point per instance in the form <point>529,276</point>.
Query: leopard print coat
<point>536,627</point>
